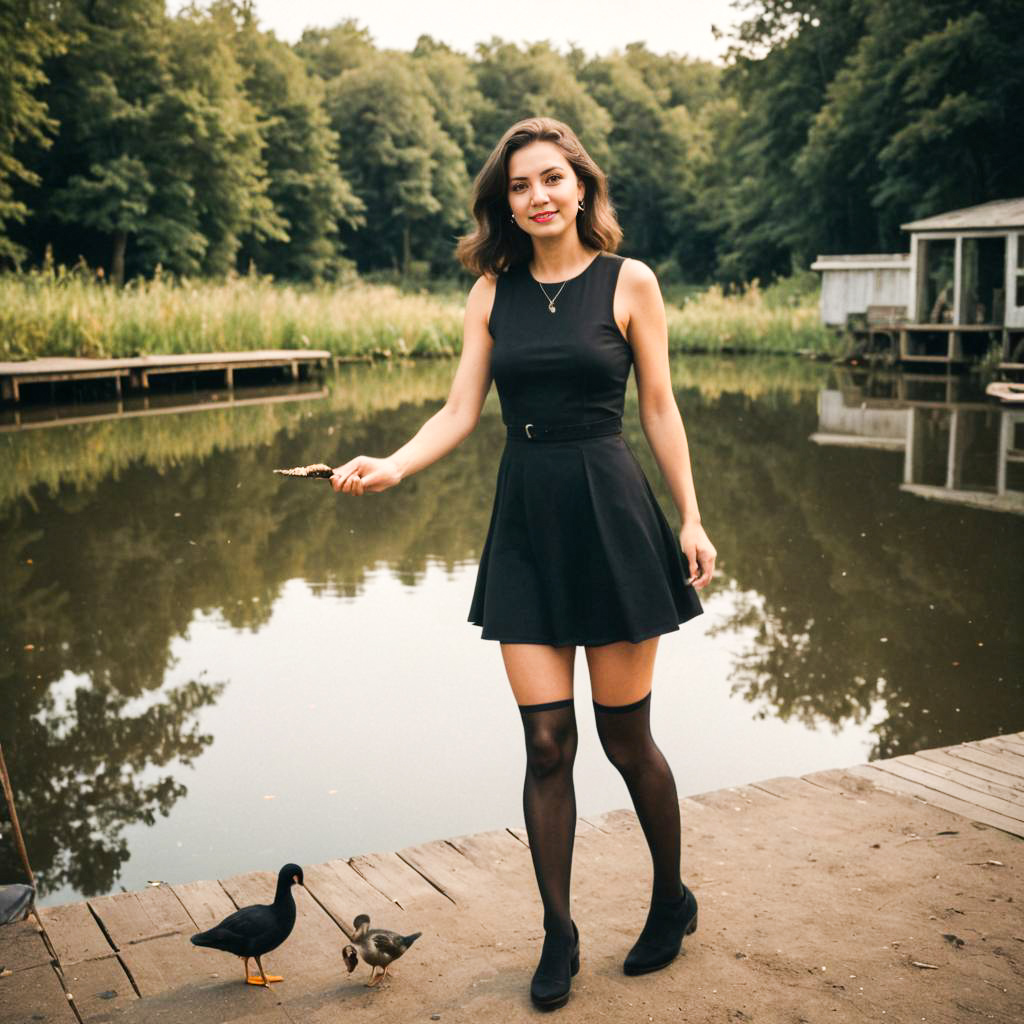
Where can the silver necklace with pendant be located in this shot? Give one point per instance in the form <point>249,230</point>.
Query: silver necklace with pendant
<point>551,301</point>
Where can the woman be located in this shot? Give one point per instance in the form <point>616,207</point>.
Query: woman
<point>577,553</point>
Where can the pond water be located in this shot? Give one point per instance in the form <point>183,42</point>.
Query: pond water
<point>208,669</point>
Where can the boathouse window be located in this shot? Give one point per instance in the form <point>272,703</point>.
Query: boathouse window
<point>1020,271</point>
<point>982,280</point>
<point>937,262</point>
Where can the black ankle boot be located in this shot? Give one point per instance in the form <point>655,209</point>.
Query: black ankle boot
<point>662,937</point>
<point>552,980</point>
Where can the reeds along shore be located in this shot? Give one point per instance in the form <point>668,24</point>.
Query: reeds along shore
<point>73,314</point>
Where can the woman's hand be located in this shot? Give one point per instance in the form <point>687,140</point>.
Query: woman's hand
<point>364,473</point>
<point>700,554</point>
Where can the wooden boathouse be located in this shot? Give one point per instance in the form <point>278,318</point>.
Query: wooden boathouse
<point>958,292</point>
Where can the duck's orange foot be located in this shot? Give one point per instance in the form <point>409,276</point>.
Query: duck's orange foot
<point>257,980</point>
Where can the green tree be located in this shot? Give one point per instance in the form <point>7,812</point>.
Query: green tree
<point>785,55</point>
<point>402,164</point>
<point>300,151</point>
<point>158,145</point>
<point>657,154</point>
<point>28,35</point>
<point>328,52</point>
<point>925,116</point>
<point>217,139</point>
<point>855,117</point>
<point>533,81</point>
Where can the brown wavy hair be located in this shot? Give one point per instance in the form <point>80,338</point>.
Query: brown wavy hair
<point>496,243</point>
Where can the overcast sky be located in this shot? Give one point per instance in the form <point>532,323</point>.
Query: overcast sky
<point>598,26</point>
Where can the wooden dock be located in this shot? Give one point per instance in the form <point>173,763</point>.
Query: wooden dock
<point>135,373</point>
<point>883,892</point>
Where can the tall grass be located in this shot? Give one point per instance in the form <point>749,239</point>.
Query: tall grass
<point>778,319</point>
<point>53,315</point>
<point>56,313</point>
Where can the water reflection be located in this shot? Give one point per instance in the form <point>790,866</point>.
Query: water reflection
<point>957,447</point>
<point>169,603</point>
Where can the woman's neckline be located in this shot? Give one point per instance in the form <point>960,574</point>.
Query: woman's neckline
<point>568,279</point>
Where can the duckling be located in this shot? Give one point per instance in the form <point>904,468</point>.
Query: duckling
<point>379,947</point>
<point>251,932</point>
<point>15,902</point>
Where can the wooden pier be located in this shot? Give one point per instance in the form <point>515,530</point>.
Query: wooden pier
<point>135,373</point>
<point>884,892</point>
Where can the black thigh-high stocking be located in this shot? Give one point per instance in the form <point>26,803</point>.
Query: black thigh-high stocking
<point>549,805</point>
<point>625,734</point>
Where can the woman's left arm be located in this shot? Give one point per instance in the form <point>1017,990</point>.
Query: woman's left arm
<point>662,423</point>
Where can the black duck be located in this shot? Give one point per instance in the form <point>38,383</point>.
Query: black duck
<point>254,931</point>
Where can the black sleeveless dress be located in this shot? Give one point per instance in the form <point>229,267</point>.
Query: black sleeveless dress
<point>578,550</point>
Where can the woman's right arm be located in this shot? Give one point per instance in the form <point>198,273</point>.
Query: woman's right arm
<point>451,424</point>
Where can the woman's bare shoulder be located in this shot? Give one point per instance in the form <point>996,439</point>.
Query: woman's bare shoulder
<point>481,297</point>
<point>635,272</point>
<point>483,287</point>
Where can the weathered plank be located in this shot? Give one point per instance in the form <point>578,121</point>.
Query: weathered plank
<point>161,964</point>
<point>100,988</point>
<point>398,882</point>
<point>962,778</point>
<point>74,933</point>
<point>343,893</point>
<point>786,787</point>
<point>736,798</point>
<point>496,851</point>
<point>1008,763</point>
<point>1007,808</point>
<point>1010,744</point>
<point>206,903</point>
<point>848,782</point>
<point>34,995</point>
<point>975,769</point>
<point>129,917</point>
<point>315,944</point>
<point>875,778</point>
<point>22,946</point>
<point>448,870</point>
<point>690,807</point>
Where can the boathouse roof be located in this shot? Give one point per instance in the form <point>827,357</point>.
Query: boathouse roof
<point>1001,213</point>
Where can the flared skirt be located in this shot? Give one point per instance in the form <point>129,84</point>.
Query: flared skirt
<point>578,551</point>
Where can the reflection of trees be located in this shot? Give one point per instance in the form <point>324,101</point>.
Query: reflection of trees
<point>105,570</point>
<point>78,774</point>
<point>79,757</point>
<point>857,592</point>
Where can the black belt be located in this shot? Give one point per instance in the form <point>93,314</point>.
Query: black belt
<point>564,431</point>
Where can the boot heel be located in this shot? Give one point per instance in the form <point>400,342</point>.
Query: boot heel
<point>575,966</point>
<point>692,926</point>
